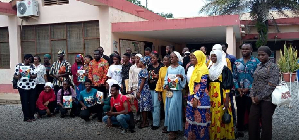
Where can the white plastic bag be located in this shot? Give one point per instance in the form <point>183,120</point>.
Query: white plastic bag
<point>281,95</point>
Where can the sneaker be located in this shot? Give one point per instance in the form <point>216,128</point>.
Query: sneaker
<point>124,131</point>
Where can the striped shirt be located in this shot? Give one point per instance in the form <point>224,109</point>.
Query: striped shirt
<point>60,68</point>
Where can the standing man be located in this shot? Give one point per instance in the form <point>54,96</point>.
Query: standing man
<point>243,70</point>
<point>97,72</point>
<point>129,51</point>
<point>125,73</point>
<point>204,50</point>
<point>60,71</point>
<point>186,56</point>
<point>104,56</point>
<point>169,50</point>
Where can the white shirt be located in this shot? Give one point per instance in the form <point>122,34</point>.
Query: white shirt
<point>133,76</point>
<point>41,72</point>
<point>114,72</point>
<point>189,73</point>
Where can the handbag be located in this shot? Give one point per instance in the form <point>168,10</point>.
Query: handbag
<point>281,95</point>
<point>169,94</point>
<point>226,118</point>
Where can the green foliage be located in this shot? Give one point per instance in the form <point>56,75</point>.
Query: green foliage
<point>138,3</point>
<point>288,61</point>
<point>258,9</point>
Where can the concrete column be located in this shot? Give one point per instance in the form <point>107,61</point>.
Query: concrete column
<point>105,29</point>
<point>231,41</point>
<point>14,41</point>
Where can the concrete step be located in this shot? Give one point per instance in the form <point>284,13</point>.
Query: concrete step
<point>10,98</point>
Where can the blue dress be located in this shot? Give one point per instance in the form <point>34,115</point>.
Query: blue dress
<point>173,112</point>
<point>198,119</point>
<point>145,102</point>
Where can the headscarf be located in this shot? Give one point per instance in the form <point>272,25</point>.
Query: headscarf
<point>265,49</point>
<point>139,55</point>
<point>178,55</point>
<point>48,56</point>
<point>74,69</point>
<point>219,47</point>
<point>200,70</point>
<point>216,69</point>
<point>48,84</point>
<point>143,60</point>
<point>61,52</point>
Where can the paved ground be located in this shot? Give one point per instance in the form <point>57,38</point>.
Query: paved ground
<point>285,126</point>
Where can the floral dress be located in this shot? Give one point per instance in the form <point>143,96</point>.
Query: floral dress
<point>198,119</point>
<point>145,102</point>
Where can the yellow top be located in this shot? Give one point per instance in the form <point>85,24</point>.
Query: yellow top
<point>161,79</point>
<point>228,63</point>
<point>200,70</point>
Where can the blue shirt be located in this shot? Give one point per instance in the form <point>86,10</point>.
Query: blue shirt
<point>231,58</point>
<point>88,98</point>
<point>243,73</point>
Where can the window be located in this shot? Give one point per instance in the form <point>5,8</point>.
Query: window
<point>55,2</point>
<point>4,49</point>
<point>74,38</point>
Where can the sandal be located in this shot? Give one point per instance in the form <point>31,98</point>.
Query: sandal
<point>165,130</point>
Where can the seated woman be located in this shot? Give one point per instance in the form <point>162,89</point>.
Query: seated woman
<point>46,101</point>
<point>88,101</point>
<point>120,103</point>
<point>66,91</point>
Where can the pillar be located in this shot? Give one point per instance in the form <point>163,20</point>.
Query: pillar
<point>14,41</point>
<point>105,29</point>
<point>231,41</point>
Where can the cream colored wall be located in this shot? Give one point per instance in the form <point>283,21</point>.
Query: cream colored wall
<point>273,29</point>
<point>73,12</point>
<point>3,21</point>
<point>120,16</point>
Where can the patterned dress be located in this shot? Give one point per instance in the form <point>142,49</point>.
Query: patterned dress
<point>145,102</point>
<point>219,130</point>
<point>198,119</point>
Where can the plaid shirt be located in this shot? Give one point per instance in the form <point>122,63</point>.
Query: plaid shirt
<point>60,68</point>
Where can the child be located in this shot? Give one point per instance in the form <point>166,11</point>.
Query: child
<point>66,91</point>
<point>46,101</point>
<point>143,94</point>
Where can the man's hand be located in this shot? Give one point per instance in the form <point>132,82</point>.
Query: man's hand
<point>253,101</point>
<point>246,90</point>
<point>109,113</point>
<point>46,103</point>
<point>83,108</point>
<point>240,91</point>
<point>256,100</point>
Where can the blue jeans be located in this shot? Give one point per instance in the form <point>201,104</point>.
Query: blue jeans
<point>156,108</point>
<point>121,120</point>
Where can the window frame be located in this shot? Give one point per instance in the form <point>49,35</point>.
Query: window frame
<point>7,41</point>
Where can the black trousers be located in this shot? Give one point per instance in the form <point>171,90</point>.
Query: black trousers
<point>98,109</point>
<point>102,89</point>
<point>39,88</point>
<point>50,106</point>
<point>264,111</point>
<point>63,111</point>
<point>28,103</point>
<point>243,104</point>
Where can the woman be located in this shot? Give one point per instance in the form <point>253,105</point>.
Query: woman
<point>220,82</point>
<point>198,106</point>
<point>175,81</point>
<point>266,77</point>
<point>47,64</point>
<point>153,78</point>
<point>143,94</point>
<point>46,101</point>
<point>78,65</point>
<point>133,75</point>
<point>87,60</point>
<point>161,78</point>
<point>25,74</point>
<point>114,70</point>
<point>66,91</point>
<point>41,75</point>
<point>226,62</point>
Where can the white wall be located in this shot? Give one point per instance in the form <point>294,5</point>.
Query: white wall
<point>3,21</point>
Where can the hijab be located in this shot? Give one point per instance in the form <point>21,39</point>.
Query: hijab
<point>178,55</point>
<point>216,69</point>
<point>219,47</point>
<point>200,70</point>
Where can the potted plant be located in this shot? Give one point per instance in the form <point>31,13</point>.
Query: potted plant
<point>288,63</point>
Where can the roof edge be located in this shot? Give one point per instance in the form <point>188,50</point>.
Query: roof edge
<point>6,9</point>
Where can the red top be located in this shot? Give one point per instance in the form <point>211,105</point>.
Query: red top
<point>43,98</point>
<point>118,103</point>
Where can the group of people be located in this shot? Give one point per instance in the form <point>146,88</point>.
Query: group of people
<point>191,91</point>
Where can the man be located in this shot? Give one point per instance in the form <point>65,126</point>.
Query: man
<point>104,56</point>
<point>204,50</point>
<point>243,70</point>
<point>97,72</point>
<point>230,57</point>
<point>60,71</point>
<point>128,50</point>
<point>122,108</point>
<point>169,50</point>
<point>185,56</point>
<point>132,58</point>
<point>88,101</point>
<point>125,73</point>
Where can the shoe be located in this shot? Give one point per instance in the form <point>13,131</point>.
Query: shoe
<point>131,131</point>
<point>86,120</point>
<point>239,135</point>
<point>62,116</point>
<point>154,127</point>
<point>94,116</point>
<point>124,131</point>
<point>72,116</point>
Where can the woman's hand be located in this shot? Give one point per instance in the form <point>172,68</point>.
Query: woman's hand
<point>256,100</point>
<point>159,97</point>
<point>240,92</point>
<point>138,95</point>
<point>226,104</point>
<point>167,87</point>
<point>180,76</point>
<point>253,101</point>
<point>195,102</point>
<point>83,108</point>
<point>46,103</point>
<point>155,76</point>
